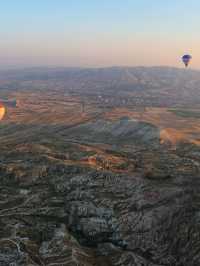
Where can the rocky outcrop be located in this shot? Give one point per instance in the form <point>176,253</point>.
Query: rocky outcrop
<point>73,215</point>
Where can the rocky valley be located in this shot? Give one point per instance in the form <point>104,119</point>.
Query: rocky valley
<point>100,167</point>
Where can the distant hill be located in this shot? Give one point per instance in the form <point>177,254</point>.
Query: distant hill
<point>167,85</point>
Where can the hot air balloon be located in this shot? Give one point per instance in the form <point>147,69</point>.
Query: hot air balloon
<point>2,111</point>
<point>186,59</point>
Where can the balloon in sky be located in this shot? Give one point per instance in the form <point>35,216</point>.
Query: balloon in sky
<point>186,59</point>
<point>2,111</point>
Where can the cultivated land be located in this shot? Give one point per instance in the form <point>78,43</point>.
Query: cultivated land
<point>100,167</point>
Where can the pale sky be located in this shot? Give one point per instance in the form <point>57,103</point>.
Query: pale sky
<point>99,32</point>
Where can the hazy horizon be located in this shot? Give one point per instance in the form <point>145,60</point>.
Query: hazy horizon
<point>98,33</point>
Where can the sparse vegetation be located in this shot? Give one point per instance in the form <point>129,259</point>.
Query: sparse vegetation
<point>114,184</point>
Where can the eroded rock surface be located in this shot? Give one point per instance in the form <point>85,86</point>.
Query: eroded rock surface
<point>85,178</point>
<point>53,213</point>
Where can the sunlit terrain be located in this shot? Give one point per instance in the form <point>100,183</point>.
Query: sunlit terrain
<point>100,167</point>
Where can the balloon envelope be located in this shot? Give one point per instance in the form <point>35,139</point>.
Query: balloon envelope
<point>186,59</point>
<point>2,111</point>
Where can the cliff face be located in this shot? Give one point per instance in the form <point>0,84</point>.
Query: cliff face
<point>96,187</point>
